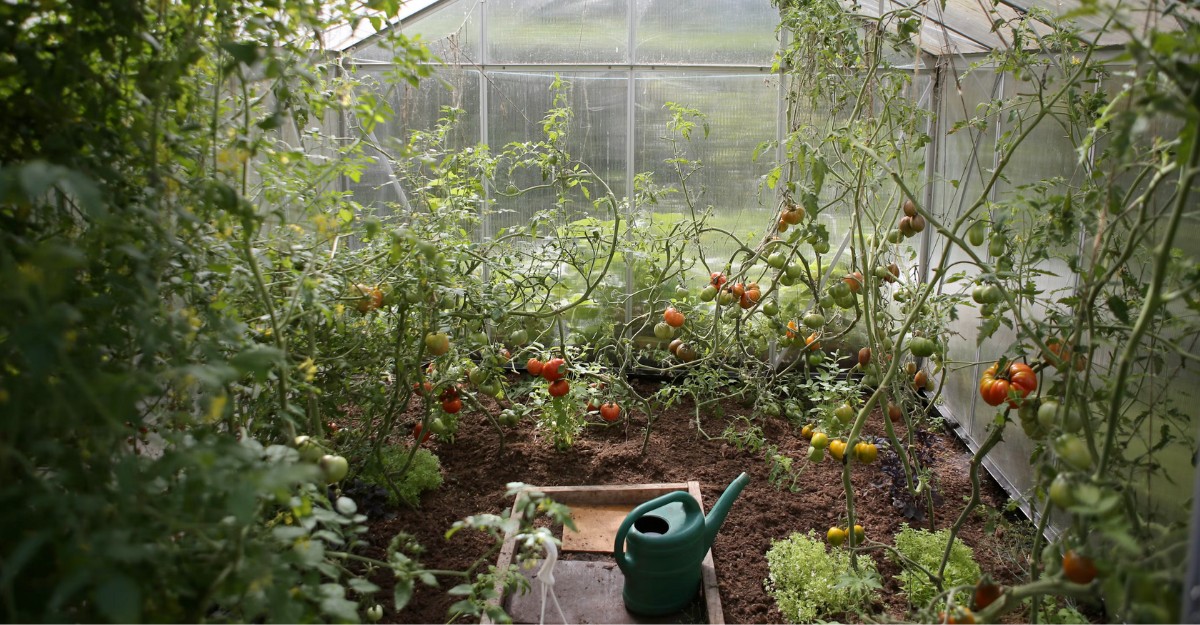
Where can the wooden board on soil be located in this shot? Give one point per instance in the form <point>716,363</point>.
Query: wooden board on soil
<point>590,591</point>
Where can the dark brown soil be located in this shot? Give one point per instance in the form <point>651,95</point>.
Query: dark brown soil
<point>475,478</point>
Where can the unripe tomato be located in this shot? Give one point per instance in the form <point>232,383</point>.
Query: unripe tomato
<point>854,281</point>
<point>813,320</point>
<point>894,413</point>
<point>836,536</point>
<point>708,293</point>
<point>844,413</point>
<point>1074,451</point>
<point>771,308</point>
<point>1060,491</point>
<point>977,232</point>
<point>815,454</point>
<point>866,453</point>
<point>437,343</point>
<point>310,450</point>
<point>375,613</point>
<point>820,440</point>
<point>663,330</point>
<point>334,468</point>
<point>859,533</point>
<point>837,448</point>
<point>777,260</point>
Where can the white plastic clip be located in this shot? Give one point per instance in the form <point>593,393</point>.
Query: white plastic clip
<point>545,576</point>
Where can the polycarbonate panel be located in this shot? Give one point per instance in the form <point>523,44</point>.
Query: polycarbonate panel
<point>417,108</point>
<point>706,32</point>
<point>964,157</point>
<point>450,29</point>
<point>741,111</point>
<point>558,31</point>
<point>597,134</point>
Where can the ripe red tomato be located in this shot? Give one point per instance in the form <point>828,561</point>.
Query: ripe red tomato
<point>553,369</point>
<point>718,279</point>
<point>854,281</point>
<point>673,317</point>
<point>560,387</point>
<point>610,411</point>
<point>986,593</point>
<point>1018,377</point>
<point>894,413</point>
<point>864,356</point>
<point>534,366</point>
<point>1078,568</point>
<point>451,405</point>
<point>419,434</point>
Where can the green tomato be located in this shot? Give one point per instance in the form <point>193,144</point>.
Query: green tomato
<point>518,337</point>
<point>821,247</point>
<point>478,376</point>
<point>813,320</point>
<point>997,246</point>
<point>826,301</point>
<point>771,409</point>
<point>777,260</point>
<point>681,292</point>
<point>816,454</point>
<point>977,232</point>
<point>1060,491</point>
<point>816,358</point>
<point>1047,413</point>
<point>334,468</point>
<point>663,330</point>
<point>375,613</point>
<point>794,271</point>
<point>895,236</point>
<point>844,413</point>
<point>708,293</point>
<point>770,308</point>
<point>786,280</point>
<point>310,449</point>
<point>437,426</point>
<point>1074,451</point>
<point>922,347</point>
<point>727,298</point>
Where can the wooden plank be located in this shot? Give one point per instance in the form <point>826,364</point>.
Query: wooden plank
<point>608,495</point>
<point>708,573</point>
<point>595,527</point>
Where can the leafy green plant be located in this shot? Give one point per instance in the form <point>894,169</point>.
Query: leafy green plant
<point>808,580</point>
<point>424,473</point>
<point>922,548</point>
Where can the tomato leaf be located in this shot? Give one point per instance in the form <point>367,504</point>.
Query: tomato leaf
<point>119,599</point>
<point>402,594</point>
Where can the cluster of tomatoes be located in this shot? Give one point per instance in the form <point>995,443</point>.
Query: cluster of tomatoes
<point>911,224</point>
<point>864,452</point>
<point>838,535</point>
<point>792,214</point>
<point>745,295</point>
<point>553,370</point>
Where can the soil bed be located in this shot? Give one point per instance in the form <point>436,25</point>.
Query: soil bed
<point>476,477</point>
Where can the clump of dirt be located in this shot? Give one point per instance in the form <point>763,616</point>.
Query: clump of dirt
<point>476,476</point>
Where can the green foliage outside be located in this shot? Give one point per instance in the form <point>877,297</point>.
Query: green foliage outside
<point>404,485</point>
<point>811,583</point>
<point>924,548</point>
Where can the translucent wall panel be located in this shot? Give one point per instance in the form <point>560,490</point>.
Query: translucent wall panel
<point>415,108</point>
<point>450,29</point>
<point>706,32</point>
<point>741,110</point>
<point>518,102</point>
<point>964,158</point>
<point>558,31</point>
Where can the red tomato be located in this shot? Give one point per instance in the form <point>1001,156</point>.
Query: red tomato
<point>610,411</point>
<point>673,317</point>
<point>718,279</point>
<point>452,405</point>
<point>534,366</point>
<point>1077,568</point>
<point>553,369</point>
<point>1018,377</point>
<point>560,387</point>
<point>417,433</point>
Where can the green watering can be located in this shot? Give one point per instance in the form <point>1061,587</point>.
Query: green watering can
<point>667,538</point>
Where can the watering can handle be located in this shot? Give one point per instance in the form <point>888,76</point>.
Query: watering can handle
<point>637,513</point>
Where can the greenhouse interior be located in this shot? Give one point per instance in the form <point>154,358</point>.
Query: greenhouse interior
<point>606,311</point>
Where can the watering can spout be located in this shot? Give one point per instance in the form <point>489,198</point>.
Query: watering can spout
<point>716,516</point>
